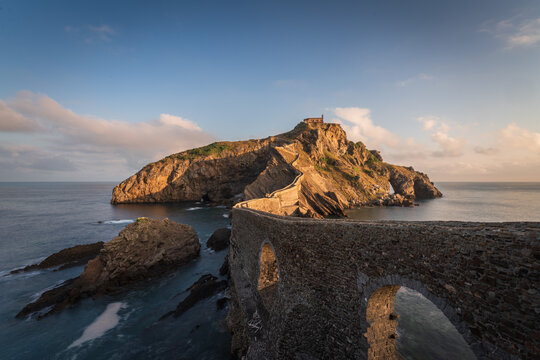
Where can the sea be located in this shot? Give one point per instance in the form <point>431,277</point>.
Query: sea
<point>38,219</point>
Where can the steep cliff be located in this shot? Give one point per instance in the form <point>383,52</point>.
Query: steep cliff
<point>312,171</point>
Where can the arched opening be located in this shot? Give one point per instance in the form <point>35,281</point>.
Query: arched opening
<point>268,272</point>
<point>403,324</point>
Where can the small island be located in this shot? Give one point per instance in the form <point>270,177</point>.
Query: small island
<point>324,172</point>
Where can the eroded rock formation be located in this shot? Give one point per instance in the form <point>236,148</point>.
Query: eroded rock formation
<point>142,250</point>
<point>313,171</point>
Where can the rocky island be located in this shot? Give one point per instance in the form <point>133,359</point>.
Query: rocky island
<point>143,250</point>
<point>318,171</point>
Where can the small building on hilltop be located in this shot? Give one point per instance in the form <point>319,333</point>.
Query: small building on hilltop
<point>314,120</point>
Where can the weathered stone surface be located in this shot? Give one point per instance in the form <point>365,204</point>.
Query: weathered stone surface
<point>73,256</point>
<point>219,239</point>
<point>311,171</point>
<point>412,184</point>
<point>478,274</point>
<point>203,288</point>
<point>142,250</point>
<point>393,200</point>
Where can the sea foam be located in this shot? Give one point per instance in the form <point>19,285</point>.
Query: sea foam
<point>116,222</point>
<point>103,323</point>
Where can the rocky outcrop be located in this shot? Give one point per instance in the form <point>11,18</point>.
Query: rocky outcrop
<point>206,286</point>
<point>312,171</point>
<point>143,250</point>
<point>412,184</point>
<point>219,239</point>
<point>73,256</point>
<point>394,200</point>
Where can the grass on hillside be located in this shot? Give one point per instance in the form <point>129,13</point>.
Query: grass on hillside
<point>208,150</point>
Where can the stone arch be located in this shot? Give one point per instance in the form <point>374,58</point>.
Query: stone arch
<point>269,274</point>
<point>379,327</point>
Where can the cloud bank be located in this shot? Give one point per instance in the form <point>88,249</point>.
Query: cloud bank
<point>450,152</point>
<point>49,133</point>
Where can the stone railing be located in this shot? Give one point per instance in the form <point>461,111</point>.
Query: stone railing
<point>283,201</point>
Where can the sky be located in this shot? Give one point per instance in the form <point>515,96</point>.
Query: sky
<point>94,90</point>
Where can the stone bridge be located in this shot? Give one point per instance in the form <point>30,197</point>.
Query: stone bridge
<point>324,289</point>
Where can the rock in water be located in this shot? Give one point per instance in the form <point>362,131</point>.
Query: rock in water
<point>73,256</point>
<point>219,239</point>
<point>142,250</point>
<point>203,288</point>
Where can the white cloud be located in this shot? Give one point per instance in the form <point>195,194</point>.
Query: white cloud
<point>15,157</point>
<point>416,78</point>
<point>92,33</point>
<point>516,137</point>
<point>12,121</point>
<point>95,140</point>
<point>516,32</point>
<point>510,153</point>
<point>168,119</point>
<point>428,122</point>
<point>528,33</point>
<point>363,128</point>
<point>104,32</point>
<point>450,147</point>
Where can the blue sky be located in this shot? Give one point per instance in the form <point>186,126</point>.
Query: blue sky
<point>94,90</point>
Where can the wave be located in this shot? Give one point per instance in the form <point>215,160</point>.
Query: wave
<point>117,222</point>
<point>226,216</point>
<point>194,208</point>
<point>103,323</point>
<point>39,293</point>
<point>7,275</point>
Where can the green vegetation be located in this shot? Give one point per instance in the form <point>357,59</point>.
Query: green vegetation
<point>208,150</point>
<point>142,220</point>
<point>327,163</point>
<point>353,179</point>
<point>372,159</point>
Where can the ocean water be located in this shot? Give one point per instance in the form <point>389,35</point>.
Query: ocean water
<point>38,219</point>
<point>467,202</point>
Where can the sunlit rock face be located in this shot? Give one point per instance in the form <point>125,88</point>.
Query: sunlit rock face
<point>268,271</point>
<point>323,172</point>
<point>381,334</point>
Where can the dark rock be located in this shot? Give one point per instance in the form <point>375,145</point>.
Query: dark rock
<point>195,328</point>
<point>376,154</point>
<point>224,269</point>
<point>48,298</point>
<point>221,303</point>
<point>143,250</point>
<point>203,288</point>
<point>73,256</point>
<point>219,239</point>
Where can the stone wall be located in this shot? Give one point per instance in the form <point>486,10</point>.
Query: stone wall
<point>283,201</point>
<point>483,276</point>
